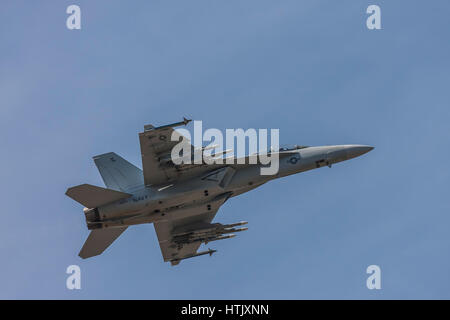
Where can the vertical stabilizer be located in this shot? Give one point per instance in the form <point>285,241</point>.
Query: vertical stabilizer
<point>117,173</point>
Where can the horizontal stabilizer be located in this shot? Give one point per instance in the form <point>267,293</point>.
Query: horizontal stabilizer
<point>99,240</point>
<point>92,196</point>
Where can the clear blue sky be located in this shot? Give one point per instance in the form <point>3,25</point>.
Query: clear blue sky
<point>310,68</point>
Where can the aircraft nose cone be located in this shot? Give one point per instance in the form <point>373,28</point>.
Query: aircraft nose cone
<point>354,151</point>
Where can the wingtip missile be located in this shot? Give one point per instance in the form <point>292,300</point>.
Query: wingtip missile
<point>176,124</point>
<point>186,121</point>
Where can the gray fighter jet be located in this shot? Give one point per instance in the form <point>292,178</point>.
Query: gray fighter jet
<point>180,200</point>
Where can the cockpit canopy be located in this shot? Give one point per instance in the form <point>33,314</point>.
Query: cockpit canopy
<point>288,148</point>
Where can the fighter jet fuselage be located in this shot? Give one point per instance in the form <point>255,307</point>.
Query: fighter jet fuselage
<point>150,204</point>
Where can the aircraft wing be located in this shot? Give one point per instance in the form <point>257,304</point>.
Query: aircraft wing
<point>170,251</point>
<point>180,235</point>
<point>156,147</point>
